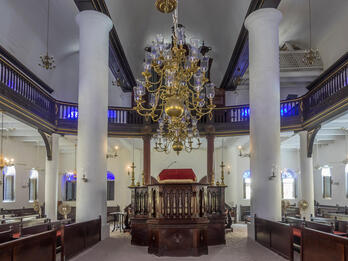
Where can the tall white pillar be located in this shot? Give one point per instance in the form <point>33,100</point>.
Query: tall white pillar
<point>51,180</point>
<point>307,183</point>
<point>264,112</point>
<point>92,120</point>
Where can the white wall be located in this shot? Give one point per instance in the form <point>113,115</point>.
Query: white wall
<point>195,160</point>
<point>26,156</point>
<point>331,155</point>
<point>329,21</point>
<point>23,33</point>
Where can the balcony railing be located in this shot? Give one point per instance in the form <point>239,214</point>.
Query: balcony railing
<point>18,88</point>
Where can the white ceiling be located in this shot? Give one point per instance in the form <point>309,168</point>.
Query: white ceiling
<point>216,22</point>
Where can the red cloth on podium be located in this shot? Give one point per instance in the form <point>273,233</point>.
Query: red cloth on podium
<point>177,175</point>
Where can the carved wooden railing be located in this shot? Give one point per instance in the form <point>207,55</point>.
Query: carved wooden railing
<point>24,97</point>
<point>177,201</point>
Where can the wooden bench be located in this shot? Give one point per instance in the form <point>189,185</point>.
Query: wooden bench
<point>317,245</point>
<point>79,236</point>
<point>276,236</point>
<point>36,229</point>
<point>39,247</point>
<point>6,236</point>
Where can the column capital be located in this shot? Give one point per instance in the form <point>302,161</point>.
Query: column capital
<point>262,16</point>
<point>94,18</point>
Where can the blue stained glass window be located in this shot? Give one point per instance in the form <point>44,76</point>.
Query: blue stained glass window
<point>110,176</point>
<point>288,174</point>
<point>246,174</point>
<point>73,115</point>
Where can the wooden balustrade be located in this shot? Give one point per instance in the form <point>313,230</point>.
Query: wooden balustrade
<point>18,87</point>
<point>172,201</point>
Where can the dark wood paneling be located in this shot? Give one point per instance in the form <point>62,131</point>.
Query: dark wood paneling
<point>275,236</point>
<point>79,236</point>
<point>40,247</point>
<point>316,245</point>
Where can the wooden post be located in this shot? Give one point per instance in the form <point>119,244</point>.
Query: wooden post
<point>147,159</point>
<point>210,156</point>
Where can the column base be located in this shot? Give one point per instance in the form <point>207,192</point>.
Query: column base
<point>105,231</point>
<point>251,228</point>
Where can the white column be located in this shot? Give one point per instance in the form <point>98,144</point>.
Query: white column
<point>51,180</point>
<point>92,120</point>
<point>307,183</point>
<point>264,112</point>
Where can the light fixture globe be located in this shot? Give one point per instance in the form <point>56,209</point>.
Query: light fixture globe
<point>177,146</point>
<point>166,6</point>
<point>174,107</point>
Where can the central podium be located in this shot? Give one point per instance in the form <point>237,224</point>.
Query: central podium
<point>178,216</point>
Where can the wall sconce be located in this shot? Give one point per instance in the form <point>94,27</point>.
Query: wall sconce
<point>274,172</point>
<point>228,169</point>
<point>84,179</point>
<point>241,154</point>
<point>114,155</point>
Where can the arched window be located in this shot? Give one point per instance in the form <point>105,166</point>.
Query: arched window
<point>69,181</point>
<point>110,186</point>
<point>33,185</point>
<point>288,184</point>
<point>327,181</point>
<point>246,184</point>
<point>9,174</point>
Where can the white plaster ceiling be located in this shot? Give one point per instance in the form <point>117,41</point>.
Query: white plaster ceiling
<point>216,22</point>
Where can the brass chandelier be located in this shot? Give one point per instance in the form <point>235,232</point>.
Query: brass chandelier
<point>175,91</point>
<point>311,55</point>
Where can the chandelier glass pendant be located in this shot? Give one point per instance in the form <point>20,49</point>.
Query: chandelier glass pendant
<point>175,91</point>
<point>311,55</point>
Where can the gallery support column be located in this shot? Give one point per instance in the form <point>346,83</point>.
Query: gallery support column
<point>51,180</point>
<point>210,157</point>
<point>264,93</point>
<point>147,159</point>
<point>307,182</point>
<point>92,120</point>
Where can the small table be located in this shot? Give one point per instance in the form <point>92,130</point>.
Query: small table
<point>118,220</point>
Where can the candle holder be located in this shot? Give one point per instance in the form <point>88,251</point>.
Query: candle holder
<point>222,166</point>
<point>132,175</point>
<point>143,178</point>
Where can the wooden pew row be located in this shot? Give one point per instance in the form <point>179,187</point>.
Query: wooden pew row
<point>18,212</point>
<point>39,247</point>
<point>35,240</point>
<point>317,245</point>
<point>275,236</point>
<point>78,237</point>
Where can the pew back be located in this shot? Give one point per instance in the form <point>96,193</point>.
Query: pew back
<point>36,229</point>
<point>275,236</point>
<point>319,226</point>
<point>79,236</point>
<point>317,245</point>
<point>5,236</point>
<point>40,247</point>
